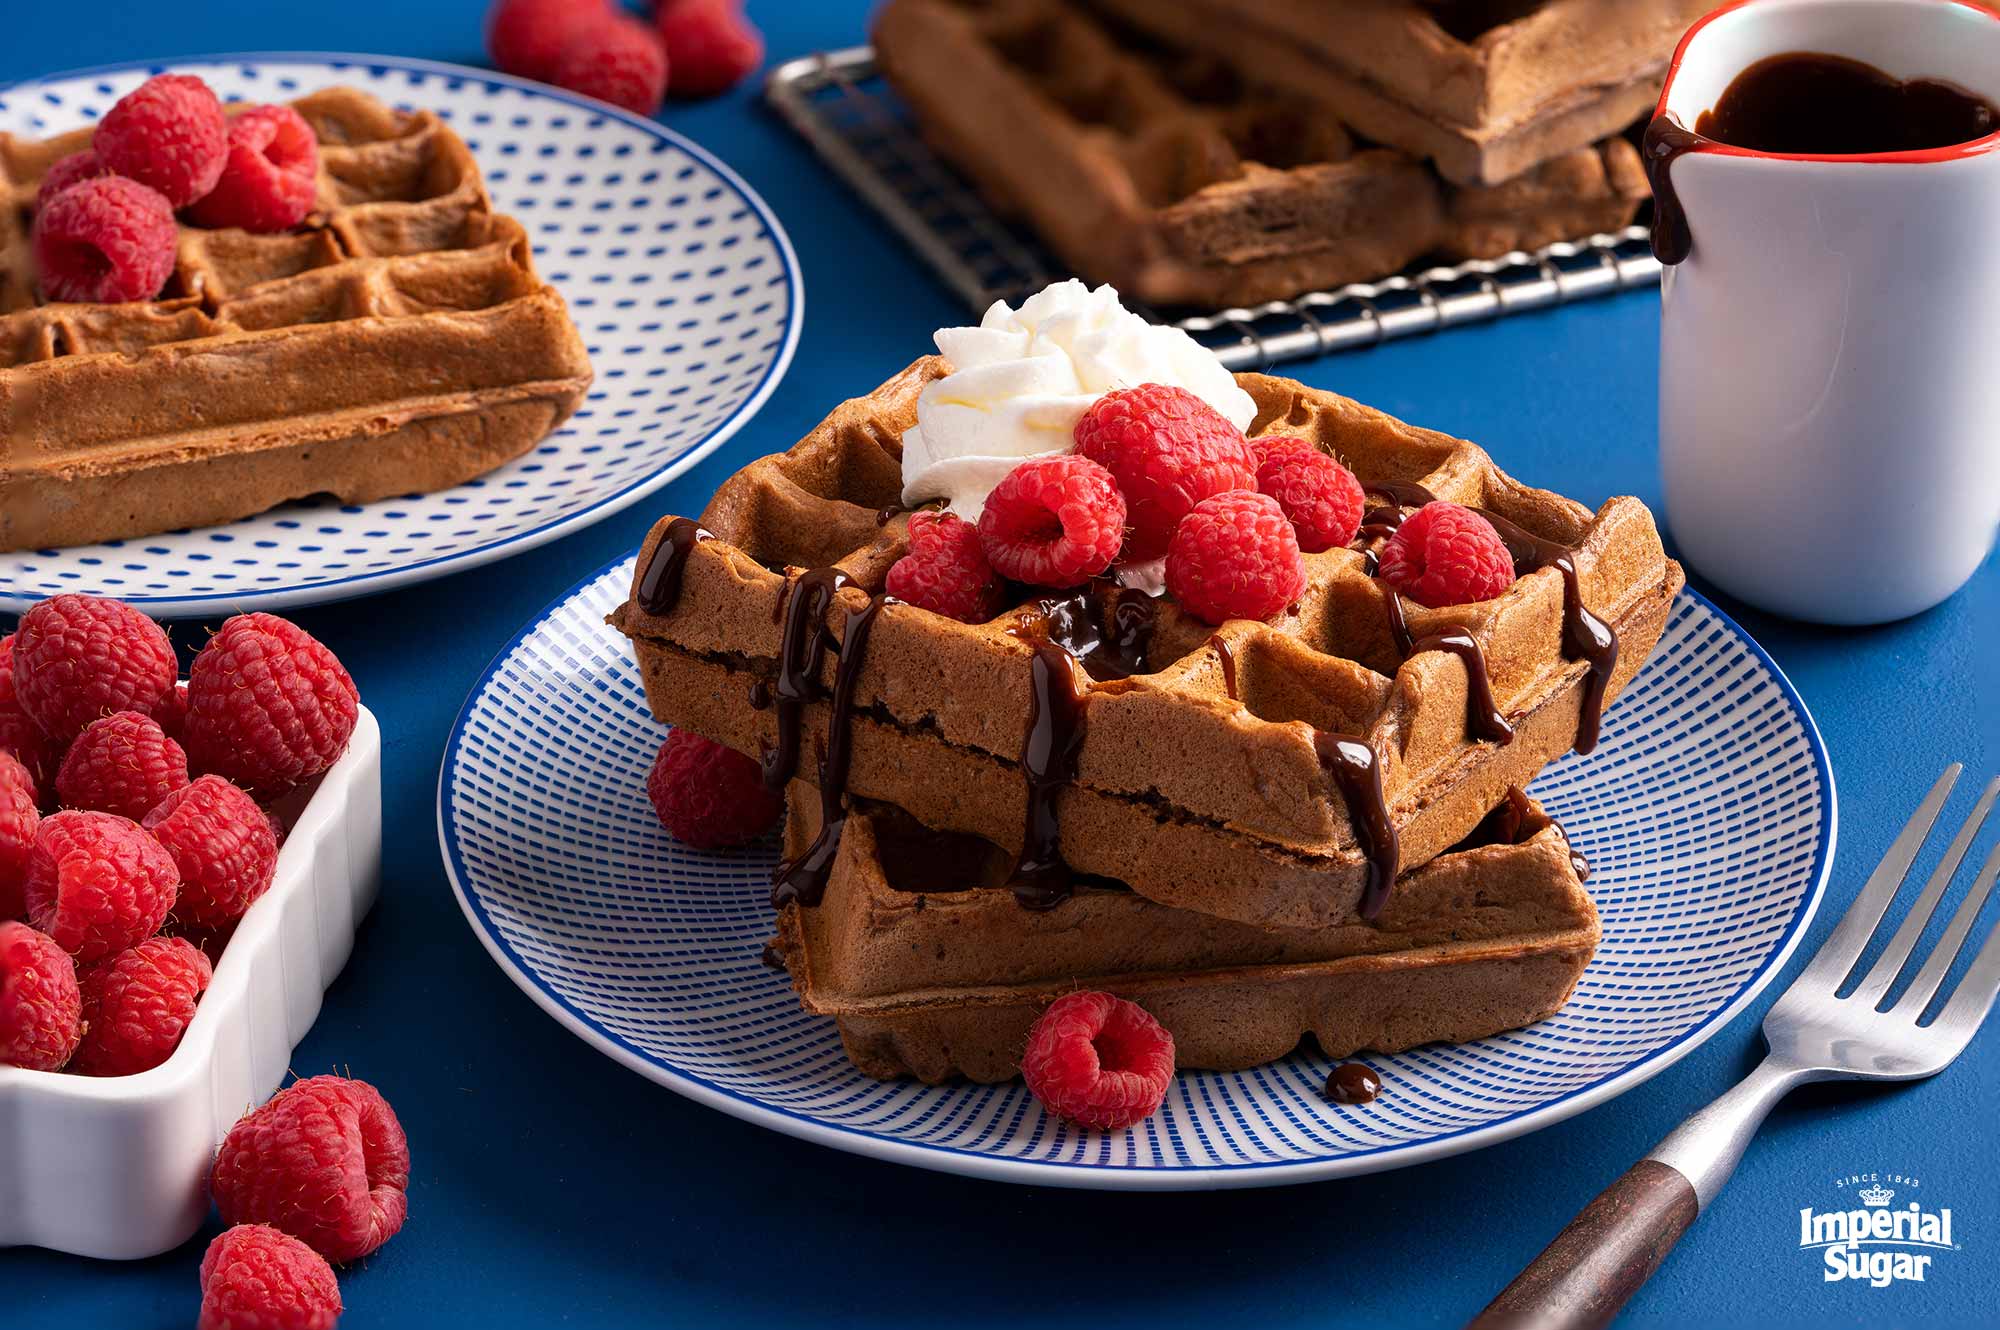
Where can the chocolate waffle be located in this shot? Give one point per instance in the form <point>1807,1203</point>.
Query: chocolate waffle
<point>932,970</point>
<point>398,341</point>
<point>1279,774</point>
<point>1485,89</point>
<point>1179,180</point>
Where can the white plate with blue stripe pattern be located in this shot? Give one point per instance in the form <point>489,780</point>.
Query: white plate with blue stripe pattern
<point>1707,814</point>
<point>681,280</point>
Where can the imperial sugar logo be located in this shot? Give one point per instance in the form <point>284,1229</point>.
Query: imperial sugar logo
<point>1881,1233</point>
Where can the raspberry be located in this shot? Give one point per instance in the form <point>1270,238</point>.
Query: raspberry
<point>105,241</point>
<point>123,764</point>
<point>1235,557</point>
<point>526,37</point>
<point>19,735</point>
<point>325,1160</point>
<point>78,657</point>
<point>168,133</point>
<point>709,796</point>
<point>68,171</point>
<point>18,821</point>
<point>619,60</point>
<point>1098,1061</point>
<point>946,570</point>
<point>223,844</point>
<point>137,1004</point>
<point>1169,450</point>
<point>1053,522</point>
<point>710,46</point>
<point>40,1008</point>
<point>1321,497</point>
<point>254,1277</point>
<point>172,710</point>
<point>270,177</point>
<point>97,883</point>
<point>268,706</point>
<point>1444,554</point>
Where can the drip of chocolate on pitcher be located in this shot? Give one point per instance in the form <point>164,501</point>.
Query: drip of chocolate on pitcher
<point>801,650</point>
<point>1357,773</point>
<point>1807,103</point>
<point>660,585</point>
<point>804,878</point>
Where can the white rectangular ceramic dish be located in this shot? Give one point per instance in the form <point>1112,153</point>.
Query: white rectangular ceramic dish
<point>116,1168</point>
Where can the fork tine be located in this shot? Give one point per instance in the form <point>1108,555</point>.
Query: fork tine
<point>1836,956</point>
<point>1894,956</point>
<point>1974,997</point>
<point>1924,988</point>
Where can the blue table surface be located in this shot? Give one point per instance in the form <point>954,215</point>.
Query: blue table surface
<point>552,1187</point>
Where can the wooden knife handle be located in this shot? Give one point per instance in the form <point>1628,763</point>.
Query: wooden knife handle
<point>1581,1280</point>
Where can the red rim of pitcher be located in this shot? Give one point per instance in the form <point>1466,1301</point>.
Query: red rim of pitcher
<point>1949,153</point>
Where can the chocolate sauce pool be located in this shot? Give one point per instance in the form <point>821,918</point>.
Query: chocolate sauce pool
<point>1811,104</point>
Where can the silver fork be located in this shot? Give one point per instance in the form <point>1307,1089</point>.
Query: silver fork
<point>1814,1033</point>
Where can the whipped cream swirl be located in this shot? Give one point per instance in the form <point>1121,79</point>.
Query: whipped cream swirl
<point>1022,379</point>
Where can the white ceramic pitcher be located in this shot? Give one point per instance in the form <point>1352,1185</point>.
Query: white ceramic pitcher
<point>1830,348</point>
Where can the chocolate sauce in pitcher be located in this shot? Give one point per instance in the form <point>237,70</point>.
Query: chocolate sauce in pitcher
<point>1807,103</point>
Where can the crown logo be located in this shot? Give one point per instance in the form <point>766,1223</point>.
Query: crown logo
<point>1876,1196</point>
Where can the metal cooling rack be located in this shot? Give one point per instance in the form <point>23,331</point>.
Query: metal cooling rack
<point>836,101</point>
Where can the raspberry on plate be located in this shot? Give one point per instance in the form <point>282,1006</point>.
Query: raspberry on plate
<point>19,817</point>
<point>526,37</point>
<point>66,172</point>
<point>1321,497</point>
<point>224,845</point>
<point>1053,522</point>
<point>40,1008</point>
<point>1445,554</point>
<point>19,734</point>
<point>325,1160</point>
<point>80,657</point>
<point>1169,450</point>
<point>169,134</point>
<point>268,706</point>
<point>255,1277</point>
<point>618,60</point>
<point>710,796</point>
<point>946,570</point>
<point>122,763</point>
<point>137,1004</point>
<point>105,240</point>
<point>1235,557</point>
<point>270,176</point>
<point>711,45</point>
<point>97,883</point>
<point>1098,1061</point>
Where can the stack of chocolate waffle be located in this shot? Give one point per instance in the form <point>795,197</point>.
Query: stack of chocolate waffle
<point>398,341</point>
<point>1217,152</point>
<point>1259,831</point>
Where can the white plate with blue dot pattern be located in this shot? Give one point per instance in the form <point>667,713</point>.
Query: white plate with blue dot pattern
<point>678,275</point>
<point>1707,814</point>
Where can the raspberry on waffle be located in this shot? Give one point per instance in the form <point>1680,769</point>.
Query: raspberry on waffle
<point>920,953</point>
<point>398,341</point>
<point>1279,773</point>
<point>1187,168</point>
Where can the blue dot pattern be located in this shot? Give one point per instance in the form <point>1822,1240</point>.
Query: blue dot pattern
<point>682,283</point>
<point>1707,815</point>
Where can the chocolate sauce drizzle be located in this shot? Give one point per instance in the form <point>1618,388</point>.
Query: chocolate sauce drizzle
<point>1353,1083</point>
<point>804,879</point>
<point>1665,142</point>
<point>1585,636</point>
<point>660,585</point>
<point>800,653</point>
<point>1225,656</point>
<point>1041,879</point>
<point>1357,773</point>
